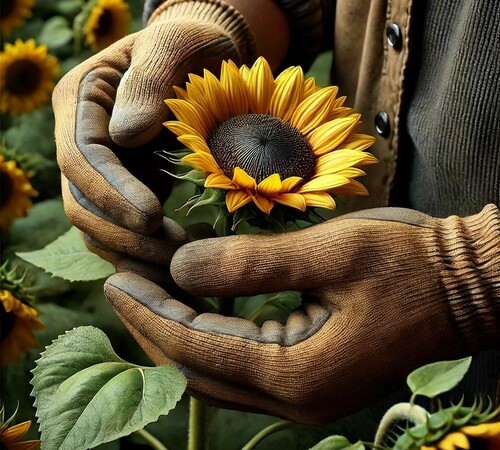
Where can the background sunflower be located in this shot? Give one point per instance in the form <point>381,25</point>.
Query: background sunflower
<point>13,14</point>
<point>27,76</point>
<point>108,21</point>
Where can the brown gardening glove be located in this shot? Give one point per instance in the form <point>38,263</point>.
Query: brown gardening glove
<point>384,290</point>
<point>109,113</point>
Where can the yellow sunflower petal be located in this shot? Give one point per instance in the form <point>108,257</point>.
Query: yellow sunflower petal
<point>260,86</point>
<point>270,186</point>
<point>220,181</point>
<point>357,141</point>
<point>338,160</point>
<point>191,114</point>
<point>263,203</point>
<point>236,199</point>
<point>486,430</point>
<point>323,183</point>
<point>180,93</point>
<point>16,432</point>
<point>243,180</point>
<point>288,93</point>
<point>352,188</point>
<point>293,200</point>
<point>179,128</point>
<point>351,172</point>
<point>289,183</point>
<point>195,143</point>
<point>454,441</point>
<point>331,134</point>
<point>310,87</point>
<point>216,97</point>
<point>235,87</point>
<point>202,161</point>
<point>319,200</point>
<point>311,112</point>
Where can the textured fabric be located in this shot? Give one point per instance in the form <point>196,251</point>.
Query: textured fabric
<point>383,297</point>
<point>454,109</point>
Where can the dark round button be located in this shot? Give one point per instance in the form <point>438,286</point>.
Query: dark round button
<point>382,125</point>
<point>394,36</point>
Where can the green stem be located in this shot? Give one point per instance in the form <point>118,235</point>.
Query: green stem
<point>196,433</point>
<point>261,435</point>
<point>151,440</point>
<point>400,411</point>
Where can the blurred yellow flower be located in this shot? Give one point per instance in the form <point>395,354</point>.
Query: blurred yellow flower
<point>109,20</point>
<point>269,141</point>
<point>485,436</point>
<point>27,76</point>
<point>18,322</point>
<point>13,14</point>
<point>16,192</point>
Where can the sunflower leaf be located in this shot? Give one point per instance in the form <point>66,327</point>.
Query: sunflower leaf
<point>68,258</point>
<point>435,378</point>
<point>337,443</point>
<point>56,32</point>
<point>85,395</point>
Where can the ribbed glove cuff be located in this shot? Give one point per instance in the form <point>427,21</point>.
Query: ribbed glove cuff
<point>470,249</point>
<point>216,13</point>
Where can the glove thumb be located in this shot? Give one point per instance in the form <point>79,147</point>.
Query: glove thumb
<point>161,58</point>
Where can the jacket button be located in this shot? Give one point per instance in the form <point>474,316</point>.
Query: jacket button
<point>394,36</point>
<point>382,125</point>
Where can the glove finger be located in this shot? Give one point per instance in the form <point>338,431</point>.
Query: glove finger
<point>233,363</point>
<point>238,349</point>
<point>85,149</point>
<point>157,248</point>
<point>140,109</point>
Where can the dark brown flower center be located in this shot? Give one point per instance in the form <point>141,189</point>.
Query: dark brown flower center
<point>105,23</point>
<point>261,145</point>
<point>23,77</point>
<point>6,188</point>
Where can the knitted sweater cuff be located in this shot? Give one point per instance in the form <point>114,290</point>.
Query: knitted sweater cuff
<point>470,249</point>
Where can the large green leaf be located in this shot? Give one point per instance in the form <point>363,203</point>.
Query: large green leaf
<point>435,378</point>
<point>56,32</point>
<point>68,258</point>
<point>86,395</point>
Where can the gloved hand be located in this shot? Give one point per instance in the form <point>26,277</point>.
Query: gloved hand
<point>385,291</point>
<point>109,113</point>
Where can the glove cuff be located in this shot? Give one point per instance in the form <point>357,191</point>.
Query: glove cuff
<point>216,13</point>
<point>470,249</point>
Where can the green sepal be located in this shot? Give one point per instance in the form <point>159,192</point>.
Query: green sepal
<point>210,196</point>
<point>197,177</point>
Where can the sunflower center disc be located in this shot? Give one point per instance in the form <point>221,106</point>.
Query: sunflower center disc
<point>22,77</point>
<point>105,23</point>
<point>261,145</point>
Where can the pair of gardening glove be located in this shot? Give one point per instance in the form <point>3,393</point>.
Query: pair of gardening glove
<point>384,290</point>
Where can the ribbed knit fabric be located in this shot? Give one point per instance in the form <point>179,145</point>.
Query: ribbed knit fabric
<point>454,110</point>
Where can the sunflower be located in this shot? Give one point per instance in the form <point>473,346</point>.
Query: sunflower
<point>268,141</point>
<point>16,192</point>
<point>485,436</point>
<point>10,434</point>
<point>27,76</point>
<point>108,21</point>
<point>18,322</point>
<point>13,14</point>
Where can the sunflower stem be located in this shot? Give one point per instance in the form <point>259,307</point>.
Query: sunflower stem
<point>153,442</point>
<point>196,432</point>
<point>261,435</point>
